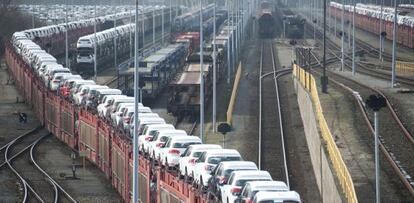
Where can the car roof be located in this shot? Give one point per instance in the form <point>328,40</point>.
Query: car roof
<point>186,138</point>
<point>255,185</point>
<point>168,131</point>
<point>109,90</point>
<point>288,195</point>
<point>152,126</point>
<point>150,120</point>
<point>222,151</point>
<point>258,173</point>
<point>205,146</point>
<point>238,164</point>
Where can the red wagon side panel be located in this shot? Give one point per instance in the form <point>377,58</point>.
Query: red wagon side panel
<point>88,136</point>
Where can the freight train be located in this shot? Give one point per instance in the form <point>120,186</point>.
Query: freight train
<point>367,17</point>
<point>104,41</point>
<point>266,20</point>
<point>294,24</point>
<point>188,21</point>
<point>51,38</point>
<point>184,91</point>
<point>110,149</point>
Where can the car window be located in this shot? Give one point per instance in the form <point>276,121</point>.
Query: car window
<point>153,132</point>
<point>155,137</point>
<point>144,132</point>
<point>230,182</point>
<point>245,192</point>
<point>202,157</point>
<point>163,139</point>
<point>184,145</point>
<point>168,143</point>
<point>197,154</point>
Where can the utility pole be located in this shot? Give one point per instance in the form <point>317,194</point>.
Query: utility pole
<point>228,45</point>
<point>94,46</point>
<point>324,79</point>
<point>342,37</point>
<point>214,70</point>
<point>353,36</point>
<point>394,44</point>
<point>135,191</point>
<point>201,75</point>
<point>66,37</point>
<point>116,45</point>
<point>381,48</point>
<point>162,24</point>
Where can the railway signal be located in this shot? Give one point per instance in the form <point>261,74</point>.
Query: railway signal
<point>376,102</point>
<point>224,128</point>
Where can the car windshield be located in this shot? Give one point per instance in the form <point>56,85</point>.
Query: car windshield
<point>197,154</point>
<point>217,160</point>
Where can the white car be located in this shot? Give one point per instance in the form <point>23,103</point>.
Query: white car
<point>171,152</point>
<point>250,190</point>
<point>289,196</point>
<point>148,132</point>
<point>209,160</point>
<point>159,140</point>
<point>126,119</point>
<point>119,112</point>
<point>50,73</point>
<point>128,112</point>
<point>142,123</point>
<point>115,103</point>
<point>106,102</point>
<point>84,91</point>
<point>77,86</point>
<point>190,155</point>
<point>221,174</point>
<point>237,180</point>
<point>54,83</point>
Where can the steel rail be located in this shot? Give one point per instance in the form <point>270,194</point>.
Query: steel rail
<point>53,182</point>
<point>394,163</point>
<point>25,183</point>
<point>276,74</point>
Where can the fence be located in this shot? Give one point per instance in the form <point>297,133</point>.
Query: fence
<point>405,67</point>
<point>342,173</point>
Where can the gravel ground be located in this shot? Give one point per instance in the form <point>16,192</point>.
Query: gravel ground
<point>356,146</point>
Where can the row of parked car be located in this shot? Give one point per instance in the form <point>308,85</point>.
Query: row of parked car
<point>220,172</point>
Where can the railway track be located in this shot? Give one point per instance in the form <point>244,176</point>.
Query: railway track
<point>35,182</point>
<point>396,142</point>
<point>365,68</point>
<point>272,152</point>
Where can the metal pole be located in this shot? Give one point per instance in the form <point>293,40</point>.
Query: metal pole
<point>94,46</point>
<point>162,26</point>
<point>214,70</point>
<point>353,37</point>
<point>115,45</point>
<point>153,25</point>
<point>381,28</point>
<point>394,48</point>
<point>33,15</point>
<point>324,78</point>
<point>377,169</point>
<point>66,37</point>
<point>228,45</point>
<point>201,75</point>
<point>130,35</point>
<point>135,194</point>
<point>342,37</point>
<point>170,23</point>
